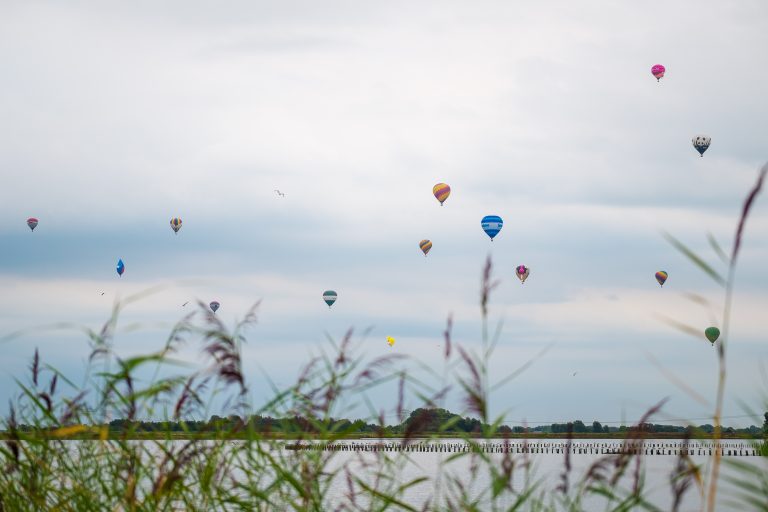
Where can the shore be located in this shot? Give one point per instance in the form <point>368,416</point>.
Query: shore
<point>95,433</point>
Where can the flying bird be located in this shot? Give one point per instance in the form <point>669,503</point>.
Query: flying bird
<point>185,304</point>
<point>279,193</point>
<point>102,293</point>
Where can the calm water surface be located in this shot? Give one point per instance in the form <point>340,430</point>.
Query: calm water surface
<point>545,469</point>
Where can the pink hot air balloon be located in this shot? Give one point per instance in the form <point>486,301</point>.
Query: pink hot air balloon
<point>658,71</point>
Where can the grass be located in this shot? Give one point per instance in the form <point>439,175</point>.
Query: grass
<point>245,469</point>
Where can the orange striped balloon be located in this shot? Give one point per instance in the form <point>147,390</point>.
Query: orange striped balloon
<point>441,192</point>
<point>425,246</point>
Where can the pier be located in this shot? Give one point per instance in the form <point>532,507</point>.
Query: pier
<point>737,448</point>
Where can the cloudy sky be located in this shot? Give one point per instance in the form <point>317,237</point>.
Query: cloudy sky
<point>115,117</point>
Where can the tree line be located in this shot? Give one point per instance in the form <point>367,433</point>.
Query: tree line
<point>422,420</point>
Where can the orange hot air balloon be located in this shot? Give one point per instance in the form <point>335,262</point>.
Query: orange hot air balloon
<point>441,192</point>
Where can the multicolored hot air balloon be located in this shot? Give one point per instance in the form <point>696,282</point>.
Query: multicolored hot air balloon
<point>390,341</point>
<point>661,277</point>
<point>214,306</point>
<point>701,143</point>
<point>425,246</point>
<point>441,192</point>
<point>175,224</point>
<point>491,224</point>
<point>32,223</point>
<point>522,272</point>
<point>712,333</point>
<point>329,296</point>
<point>120,267</point>
<point>658,71</point>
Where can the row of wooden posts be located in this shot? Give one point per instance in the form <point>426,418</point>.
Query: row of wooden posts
<point>737,449</point>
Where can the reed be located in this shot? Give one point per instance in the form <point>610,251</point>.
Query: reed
<point>44,469</point>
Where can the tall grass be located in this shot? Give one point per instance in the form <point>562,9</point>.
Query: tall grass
<point>57,452</point>
<point>728,285</point>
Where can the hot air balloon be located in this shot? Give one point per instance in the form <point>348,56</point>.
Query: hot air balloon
<point>521,271</point>
<point>390,341</point>
<point>32,223</point>
<point>425,246</point>
<point>214,306</point>
<point>661,277</point>
<point>441,192</point>
<point>175,224</point>
<point>701,143</point>
<point>712,333</point>
<point>491,224</point>
<point>329,296</point>
<point>120,267</point>
<point>658,71</point>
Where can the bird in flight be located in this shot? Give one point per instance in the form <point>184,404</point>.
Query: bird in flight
<point>102,293</point>
<point>574,374</point>
<point>185,304</point>
<point>280,193</point>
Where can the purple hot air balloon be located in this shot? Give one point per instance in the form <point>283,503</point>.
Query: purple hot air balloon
<point>658,71</point>
<point>522,272</point>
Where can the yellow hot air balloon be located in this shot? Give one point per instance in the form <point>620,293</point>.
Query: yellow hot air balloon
<point>441,192</point>
<point>390,340</point>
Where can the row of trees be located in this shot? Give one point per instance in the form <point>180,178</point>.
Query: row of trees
<point>419,420</point>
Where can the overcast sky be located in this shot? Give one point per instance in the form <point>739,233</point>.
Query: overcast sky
<point>115,117</point>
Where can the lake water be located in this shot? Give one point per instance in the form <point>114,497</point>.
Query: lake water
<point>447,468</point>
<point>541,463</point>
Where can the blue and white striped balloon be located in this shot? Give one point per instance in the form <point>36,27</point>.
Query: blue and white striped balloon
<point>491,224</point>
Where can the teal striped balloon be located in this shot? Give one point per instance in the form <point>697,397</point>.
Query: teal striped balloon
<point>329,296</point>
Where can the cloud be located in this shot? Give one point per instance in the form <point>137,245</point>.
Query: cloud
<point>117,118</point>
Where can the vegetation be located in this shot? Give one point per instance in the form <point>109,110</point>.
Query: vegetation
<point>434,422</point>
<point>113,472</point>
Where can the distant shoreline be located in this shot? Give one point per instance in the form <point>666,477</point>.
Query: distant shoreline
<point>306,436</point>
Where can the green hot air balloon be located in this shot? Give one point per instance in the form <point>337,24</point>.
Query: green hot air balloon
<point>329,296</point>
<point>712,333</point>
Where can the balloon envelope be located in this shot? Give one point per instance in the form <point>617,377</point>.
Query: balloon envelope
<point>701,143</point>
<point>214,306</point>
<point>120,267</point>
<point>661,277</point>
<point>32,223</point>
<point>491,224</point>
<point>329,296</point>
<point>522,272</point>
<point>712,333</point>
<point>175,224</point>
<point>390,340</point>
<point>425,246</point>
<point>441,192</point>
<point>658,71</point>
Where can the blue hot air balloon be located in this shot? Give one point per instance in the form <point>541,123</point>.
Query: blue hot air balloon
<point>491,224</point>
<point>120,267</point>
